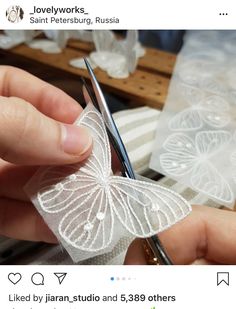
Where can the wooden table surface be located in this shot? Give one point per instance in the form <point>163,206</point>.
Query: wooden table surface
<point>148,85</point>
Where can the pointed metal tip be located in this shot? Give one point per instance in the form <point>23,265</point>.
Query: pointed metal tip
<point>86,61</point>
<point>90,71</point>
<point>88,66</point>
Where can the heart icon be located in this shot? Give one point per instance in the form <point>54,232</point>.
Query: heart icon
<point>14,277</point>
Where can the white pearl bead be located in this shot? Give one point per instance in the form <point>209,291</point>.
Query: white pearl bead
<point>100,216</point>
<point>88,226</point>
<point>58,187</point>
<point>72,177</point>
<point>155,208</point>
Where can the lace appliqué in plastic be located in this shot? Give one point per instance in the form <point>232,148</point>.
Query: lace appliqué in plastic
<point>193,141</point>
<point>210,109</point>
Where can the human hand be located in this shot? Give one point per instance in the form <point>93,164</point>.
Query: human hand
<point>35,129</point>
<point>206,236</point>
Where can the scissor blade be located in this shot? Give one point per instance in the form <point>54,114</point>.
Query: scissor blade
<point>121,152</point>
<point>88,97</point>
<point>103,107</point>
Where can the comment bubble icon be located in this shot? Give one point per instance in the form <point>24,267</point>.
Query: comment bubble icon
<point>37,279</point>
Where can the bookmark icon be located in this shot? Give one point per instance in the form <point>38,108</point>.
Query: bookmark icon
<point>60,277</point>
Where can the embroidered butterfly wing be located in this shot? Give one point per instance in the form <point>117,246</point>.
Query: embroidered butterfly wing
<point>145,208</point>
<point>186,156</point>
<point>205,175</point>
<point>213,111</point>
<point>80,193</point>
<point>96,206</point>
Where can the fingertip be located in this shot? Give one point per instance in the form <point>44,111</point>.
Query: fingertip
<point>42,231</point>
<point>76,140</point>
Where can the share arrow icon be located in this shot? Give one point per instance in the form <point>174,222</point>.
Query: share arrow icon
<point>60,277</point>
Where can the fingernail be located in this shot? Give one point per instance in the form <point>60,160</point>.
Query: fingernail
<point>76,140</point>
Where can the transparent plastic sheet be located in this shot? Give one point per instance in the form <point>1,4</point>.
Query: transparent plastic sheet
<point>89,209</point>
<point>196,132</point>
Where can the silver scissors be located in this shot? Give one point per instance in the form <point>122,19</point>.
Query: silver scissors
<point>99,102</point>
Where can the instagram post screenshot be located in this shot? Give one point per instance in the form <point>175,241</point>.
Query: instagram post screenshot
<point>117,154</point>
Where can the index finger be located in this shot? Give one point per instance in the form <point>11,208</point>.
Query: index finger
<point>48,99</point>
<point>207,233</point>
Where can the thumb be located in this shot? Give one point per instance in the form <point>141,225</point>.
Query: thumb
<point>29,137</point>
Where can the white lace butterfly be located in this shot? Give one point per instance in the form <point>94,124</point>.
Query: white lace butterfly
<point>212,110</point>
<point>186,156</point>
<point>94,206</point>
